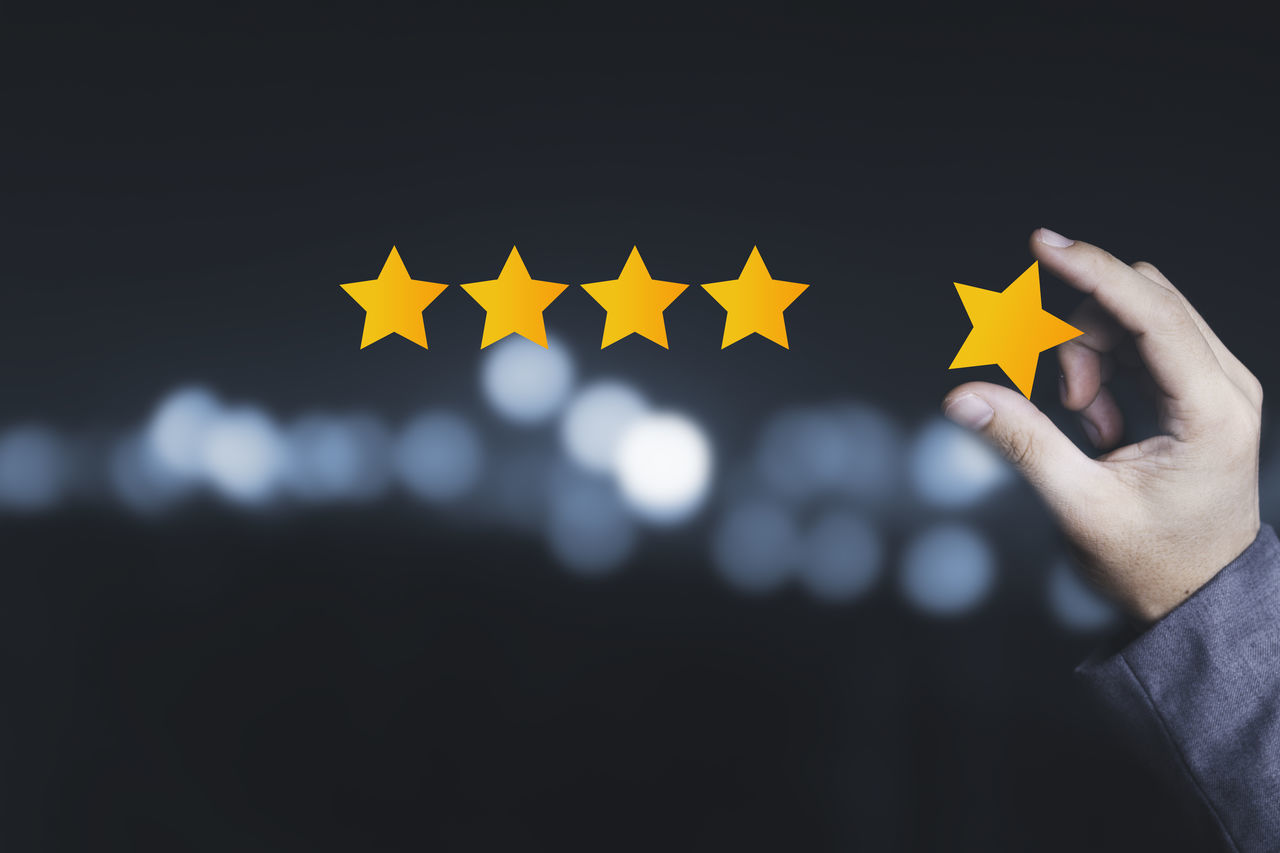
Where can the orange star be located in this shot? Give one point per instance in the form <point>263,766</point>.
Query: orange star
<point>754,302</point>
<point>1010,329</point>
<point>513,303</point>
<point>393,303</point>
<point>634,302</point>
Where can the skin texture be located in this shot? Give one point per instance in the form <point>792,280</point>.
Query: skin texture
<point>1150,522</point>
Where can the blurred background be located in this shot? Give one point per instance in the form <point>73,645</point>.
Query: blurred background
<point>262,590</point>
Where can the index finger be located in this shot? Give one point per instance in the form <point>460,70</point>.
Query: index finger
<point>1176,354</point>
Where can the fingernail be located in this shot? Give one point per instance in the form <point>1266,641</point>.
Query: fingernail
<point>969,410</point>
<point>1053,238</point>
<point>1092,431</point>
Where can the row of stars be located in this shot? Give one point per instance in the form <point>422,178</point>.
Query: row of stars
<point>633,302</point>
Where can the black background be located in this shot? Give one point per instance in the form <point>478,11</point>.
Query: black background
<point>181,206</point>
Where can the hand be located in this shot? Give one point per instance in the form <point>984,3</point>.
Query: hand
<point>1151,522</point>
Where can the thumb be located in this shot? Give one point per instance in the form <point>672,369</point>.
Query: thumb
<point>1053,465</point>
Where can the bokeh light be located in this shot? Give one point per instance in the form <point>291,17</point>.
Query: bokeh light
<point>664,467</point>
<point>951,467</point>
<point>33,468</point>
<point>755,545</point>
<point>947,570</point>
<point>588,529</point>
<point>841,556</point>
<point>595,420</point>
<point>525,383</point>
<point>438,456</point>
<point>337,457</point>
<point>849,449</point>
<point>872,462</point>
<point>140,480</point>
<point>177,430</point>
<point>243,455</point>
<point>797,452</point>
<point>1076,605</point>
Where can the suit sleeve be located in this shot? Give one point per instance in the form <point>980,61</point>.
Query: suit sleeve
<point>1202,687</point>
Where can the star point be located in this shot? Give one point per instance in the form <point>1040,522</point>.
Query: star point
<point>634,302</point>
<point>513,302</point>
<point>755,302</point>
<point>393,303</point>
<point>1010,328</point>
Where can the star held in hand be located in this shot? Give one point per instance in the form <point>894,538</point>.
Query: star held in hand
<point>1010,329</point>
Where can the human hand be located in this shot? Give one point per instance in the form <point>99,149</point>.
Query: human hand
<point>1151,522</point>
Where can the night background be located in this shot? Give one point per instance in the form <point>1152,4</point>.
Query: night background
<point>262,590</point>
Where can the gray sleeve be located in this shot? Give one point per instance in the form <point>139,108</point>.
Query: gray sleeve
<point>1202,686</point>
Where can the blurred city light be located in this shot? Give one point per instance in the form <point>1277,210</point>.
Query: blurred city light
<point>844,460</point>
<point>337,457</point>
<point>1076,605</point>
<point>243,455</point>
<point>840,557</point>
<point>872,463</point>
<point>951,467</point>
<point>176,432</point>
<point>140,480</point>
<point>798,452</point>
<point>664,467</point>
<point>588,529</point>
<point>754,547</point>
<point>524,382</point>
<point>849,449</point>
<point>438,456</point>
<point>595,420</point>
<point>33,468</point>
<point>947,570</point>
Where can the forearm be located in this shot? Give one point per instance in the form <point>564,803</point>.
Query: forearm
<point>1204,683</point>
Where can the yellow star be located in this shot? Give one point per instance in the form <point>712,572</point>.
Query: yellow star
<point>1010,329</point>
<point>754,302</point>
<point>393,303</point>
<point>634,302</point>
<point>513,303</point>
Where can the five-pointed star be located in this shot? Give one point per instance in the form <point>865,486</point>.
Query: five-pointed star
<point>1010,329</point>
<point>754,302</point>
<point>634,302</point>
<point>393,303</point>
<point>513,303</point>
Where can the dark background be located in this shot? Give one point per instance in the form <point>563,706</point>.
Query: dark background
<point>181,206</point>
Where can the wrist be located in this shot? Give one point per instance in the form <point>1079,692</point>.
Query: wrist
<point>1154,603</point>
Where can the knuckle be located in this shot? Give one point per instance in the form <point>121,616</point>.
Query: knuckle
<point>1241,423</point>
<point>1255,414</point>
<point>1100,263</point>
<point>1255,389</point>
<point>1218,414</point>
<point>1168,311</point>
<point>1241,445</point>
<point>1019,448</point>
